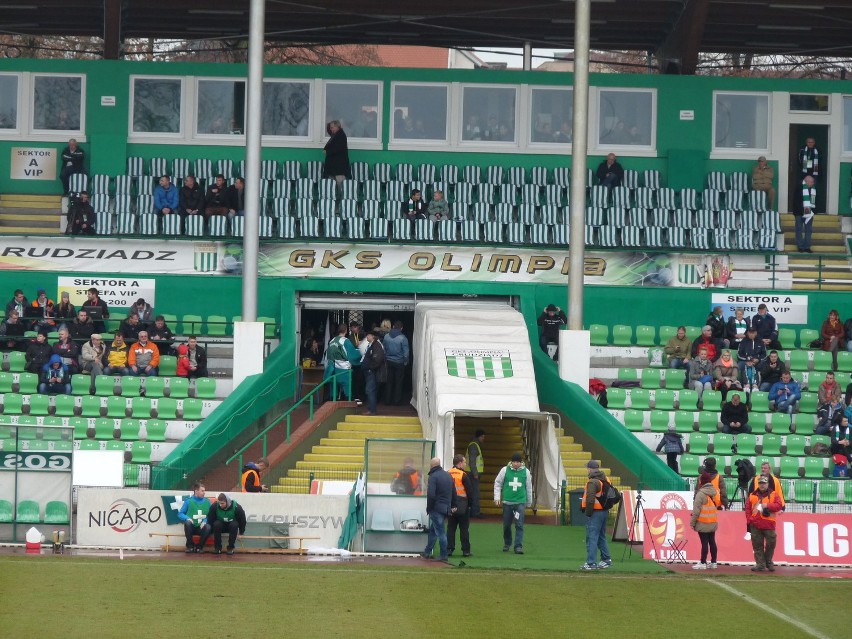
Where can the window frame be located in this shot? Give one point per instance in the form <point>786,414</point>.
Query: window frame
<point>541,147</point>
<point>790,95</point>
<point>468,145</point>
<point>638,150</point>
<point>52,134</point>
<point>405,143</point>
<point>278,139</point>
<point>353,142</point>
<point>717,151</point>
<point>18,130</point>
<point>149,136</point>
<point>215,138</point>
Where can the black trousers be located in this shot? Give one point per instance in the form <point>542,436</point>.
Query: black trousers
<point>460,520</point>
<point>671,460</point>
<point>708,542</point>
<point>231,527</point>
<point>190,529</point>
<point>393,387</point>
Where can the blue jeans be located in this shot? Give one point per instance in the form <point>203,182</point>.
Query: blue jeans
<point>437,531</point>
<point>371,388</point>
<point>596,537</point>
<point>509,511</point>
<point>803,232</point>
<point>140,372</point>
<point>678,362</point>
<point>786,405</point>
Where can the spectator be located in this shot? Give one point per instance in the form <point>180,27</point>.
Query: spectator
<point>767,330</point>
<point>68,350</point>
<point>833,336</point>
<point>829,415</point>
<point>679,349</point>
<point>144,357</point>
<point>130,327</point>
<point>55,378</point>
<point>92,356</point>
<point>12,333</point>
<point>397,353</point>
<point>250,480</point>
<point>774,483</point>
<point>840,438</point>
<point>672,444</point>
<point>144,311</point>
<point>736,328</point>
<point>81,216</point>
<point>414,208</point>
<point>375,371</point>
<point>706,341</point>
<point>43,312</point>
<point>313,351</point>
<point>471,129</point>
<point>191,198</point>
<point>734,416</point>
<point>65,310</point>
<point>215,202</point>
<point>182,369</point>
<point>18,303</point>
<point>750,353</point>
<point>610,173</point>
<point>193,513</point>
<point>829,390</point>
<point>550,320</point>
<point>197,358</point>
<point>761,511</point>
<point>809,159</point>
<point>847,331</point>
<point>700,375</point>
<point>38,354</point>
<point>705,521</point>
<point>72,162</point>
<point>762,178</point>
<point>460,517</point>
<point>513,491</point>
<point>770,370</point>
<point>236,198</point>
<point>94,300</point>
<point>804,209</point>
<point>440,502</point>
<point>726,374</point>
<point>161,335</point>
<point>225,515</point>
<point>784,394</point>
<point>336,153</point>
<point>116,356</point>
<point>82,328</point>
<point>438,208</point>
<point>166,198</point>
<point>596,522</point>
<point>718,328</point>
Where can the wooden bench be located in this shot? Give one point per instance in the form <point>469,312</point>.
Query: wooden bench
<point>284,551</point>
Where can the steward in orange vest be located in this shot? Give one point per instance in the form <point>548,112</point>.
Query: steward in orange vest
<point>250,481</point>
<point>761,512</point>
<point>705,519</point>
<point>460,517</point>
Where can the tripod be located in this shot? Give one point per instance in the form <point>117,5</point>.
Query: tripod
<point>638,511</point>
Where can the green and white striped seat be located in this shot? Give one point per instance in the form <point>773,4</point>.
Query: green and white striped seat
<point>631,236</point>
<point>449,174</point>
<point>396,191</point>
<point>744,240</point>
<point>180,168</point>
<point>446,231</point>
<point>757,201</point>
<point>348,209</point>
<point>590,235</point>
<point>608,236</point>
<point>360,171</point>
<point>327,190</point>
<point>676,238</point>
<point>226,168</point>
<point>303,208</point>
<point>373,190</point>
<point>666,199</point>
<point>561,234</point>
<point>203,168</point>
<point>562,176</point>
<point>425,173</point>
<point>442,186</point>
<point>126,224</point>
<point>264,226</point>
<point>749,221</point>
<point>538,175</point>
<point>701,239</point>
<point>651,179</point>
<point>218,225</point>
<point>485,193</point>
<point>401,230</point>
<point>103,223</point>
<point>554,195</point>
<point>660,217</point>
<point>767,240</point>
<point>282,189</point>
<point>495,175</point>
<point>464,193</point>
<point>639,217</point>
<point>194,225</point>
<point>682,218</point>
<point>594,216</point>
<point>78,182</point>
<point>372,210</point>
<point>333,228</point>
<point>644,198</point>
<point>280,207</point>
<point>717,181</point>
<point>382,172</point>
<point>393,211</point>
<point>349,190</point>
<point>503,213</point>
<point>631,179</point>
<point>355,229</point>
<point>704,219</point>
<point>517,176</point>
<point>539,234</point>
<point>739,181</point>
<point>527,214</point>
<point>148,224</point>
<point>516,233</point>
<point>722,239</point>
<point>145,185</point>
<point>135,166</point>
<point>100,184</point>
<point>549,214</point>
<point>326,209</point>
<point>480,213</point>
<point>304,188</point>
<point>689,199</point>
<point>529,194</point>
<point>493,232</point>
<point>600,196</point>
<point>620,197</point>
<point>734,200</point>
<point>772,221</point>
<point>404,172</point>
<point>617,217</point>
<point>264,190</point>
<point>711,199</point>
<point>509,194</point>
<point>309,227</point>
<point>460,211</point>
<point>100,202</point>
<point>728,219</point>
<point>286,228</point>
<point>291,170</point>
<point>472,174</point>
<point>424,230</point>
<point>268,170</point>
<point>470,231</point>
<point>654,236</point>
<point>313,171</point>
<point>378,229</point>
<point>416,184</point>
<point>144,204</point>
<point>123,186</point>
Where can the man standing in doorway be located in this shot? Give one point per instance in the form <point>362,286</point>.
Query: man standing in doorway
<point>461,517</point>
<point>804,212</point>
<point>375,371</point>
<point>72,162</point>
<point>397,354</point>
<point>475,465</point>
<point>810,160</point>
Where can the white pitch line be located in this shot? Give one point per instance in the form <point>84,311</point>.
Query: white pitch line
<point>757,604</point>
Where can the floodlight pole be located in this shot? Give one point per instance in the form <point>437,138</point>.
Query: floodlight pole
<point>254,91</point>
<point>576,244</point>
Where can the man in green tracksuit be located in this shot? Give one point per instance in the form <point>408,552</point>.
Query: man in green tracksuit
<point>224,514</point>
<point>513,491</point>
<point>340,356</point>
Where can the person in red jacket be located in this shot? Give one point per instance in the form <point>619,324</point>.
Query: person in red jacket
<point>762,510</point>
<point>182,361</point>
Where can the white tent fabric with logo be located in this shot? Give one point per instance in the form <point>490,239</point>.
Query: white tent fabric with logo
<point>477,361</point>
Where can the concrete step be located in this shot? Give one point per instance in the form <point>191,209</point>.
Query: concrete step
<point>812,286</point>
<point>26,230</point>
<point>31,201</point>
<point>825,274</point>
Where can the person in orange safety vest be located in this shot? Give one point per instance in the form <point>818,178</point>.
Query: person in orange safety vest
<point>762,508</point>
<point>461,517</point>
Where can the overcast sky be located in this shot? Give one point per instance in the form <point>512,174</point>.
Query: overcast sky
<point>514,57</point>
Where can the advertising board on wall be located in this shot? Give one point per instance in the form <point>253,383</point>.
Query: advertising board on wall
<point>33,163</point>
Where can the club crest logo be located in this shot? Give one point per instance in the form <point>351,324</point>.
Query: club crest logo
<point>479,364</point>
<point>667,529</point>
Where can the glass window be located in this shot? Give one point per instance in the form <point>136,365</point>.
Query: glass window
<point>625,118</point>
<point>57,102</point>
<point>8,102</point>
<point>741,121</point>
<point>488,114</point>
<point>221,107</point>
<point>808,102</point>
<point>847,124</point>
<point>419,112</point>
<point>356,106</point>
<point>552,115</point>
<point>286,108</point>
<point>156,105</point>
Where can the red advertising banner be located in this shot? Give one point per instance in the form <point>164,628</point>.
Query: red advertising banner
<point>803,538</point>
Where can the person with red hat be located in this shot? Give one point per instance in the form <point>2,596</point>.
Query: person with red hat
<point>704,520</point>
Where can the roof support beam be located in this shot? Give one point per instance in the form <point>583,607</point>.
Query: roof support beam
<point>112,29</point>
<point>679,52</point>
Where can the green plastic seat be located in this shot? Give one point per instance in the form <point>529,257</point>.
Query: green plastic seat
<point>39,405</point>
<point>689,465</point>
<point>722,443</point>
<point>822,361</point>
<point>809,402</point>
<point>684,421</point>
<point>155,430</point>
<point>168,366</point>
<point>178,387</point>
<point>63,445</point>
<point>130,429</point>
<point>52,337</point>
<point>806,336</point>
<point>816,377</point>
<point>192,409</point>
<point>38,445</point>
<point>664,399</point>
<point>171,320</point>
<point>90,406</point>
<point>140,407</point>
<point>819,439</point>
<point>80,426</point>
<point>30,334</point>
<point>81,384</point>
<point>130,387</point>
<point>154,387</point>
<point>13,404</point>
<point>640,399</point>
<point>799,361</point>
<point>804,490</point>
<point>28,512</point>
<point>270,326</point>
<point>657,357</point>
<point>666,333</point>
<point>650,378</point>
<point>675,378</point>
<point>844,362</point>
<point>217,325</point>
<point>24,423</point>
<point>789,467</point>
<point>814,467</point>
<point>616,398</point>
<point>759,402</point>
<point>796,445</point>
<point>829,491</point>
<point>628,375</point>
<point>116,444</point>
<point>104,385</point>
<point>699,444</point>
<point>64,406</point>
<point>27,383</point>
<point>53,428</point>
<point>6,516</point>
<point>56,512</point>
<point>622,335</point>
<point>104,428</point>
<point>17,362</point>
<point>117,407</point>
<point>708,422</point>
<point>774,462</point>
<point>646,336</point>
<point>131,476</point>
<point>659,421</point>
<point>191,325</point>
<point>140,453</point>
<point>687,399</point>
<point>787,337</point>
<point>634,420</point>
<point>6,381</point>
<point>89,444</point>
<point>205,388</point>
<point>771,445</point>
<point>692,332</point>
<point>747,445</point>
<point>599,334</point>
<point>712,400</point>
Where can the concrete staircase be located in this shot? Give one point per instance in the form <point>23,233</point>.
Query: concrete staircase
<point>829,269</point>
<point>30,214</point>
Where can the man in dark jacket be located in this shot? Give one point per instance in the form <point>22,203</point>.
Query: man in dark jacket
<point>770,370</point>
<point>397,352</point>
<point>197,359</point>
<point>440,504</point>
<point>766,328</point>
<point>461,517</point>
<point>610,173</point>
<point>190,198</point>
<point>82,328</point>
<point>751,352</point>
<point>81,217</point>
<point>12,331</point>
<point>718,327</point>
<point>224,515</point>
<point>161,335</point>
<point>72,162</point>
<point>734,416</point>
<point>215,202</point>
<point>375,371</point>
<point>130,327</point>
<point>96,301</point>
<point>38,354</point>
<point>550,320</point>
<point>236,198</point>
<point>337,153</point>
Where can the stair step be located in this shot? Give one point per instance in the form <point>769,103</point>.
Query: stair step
<point>29,200</point>
<point>812,286</point>
<point>362,435</point>
<point>380,419</point>
<point>378,427</point>
<point>26,230</point>
<point>826,275</point>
